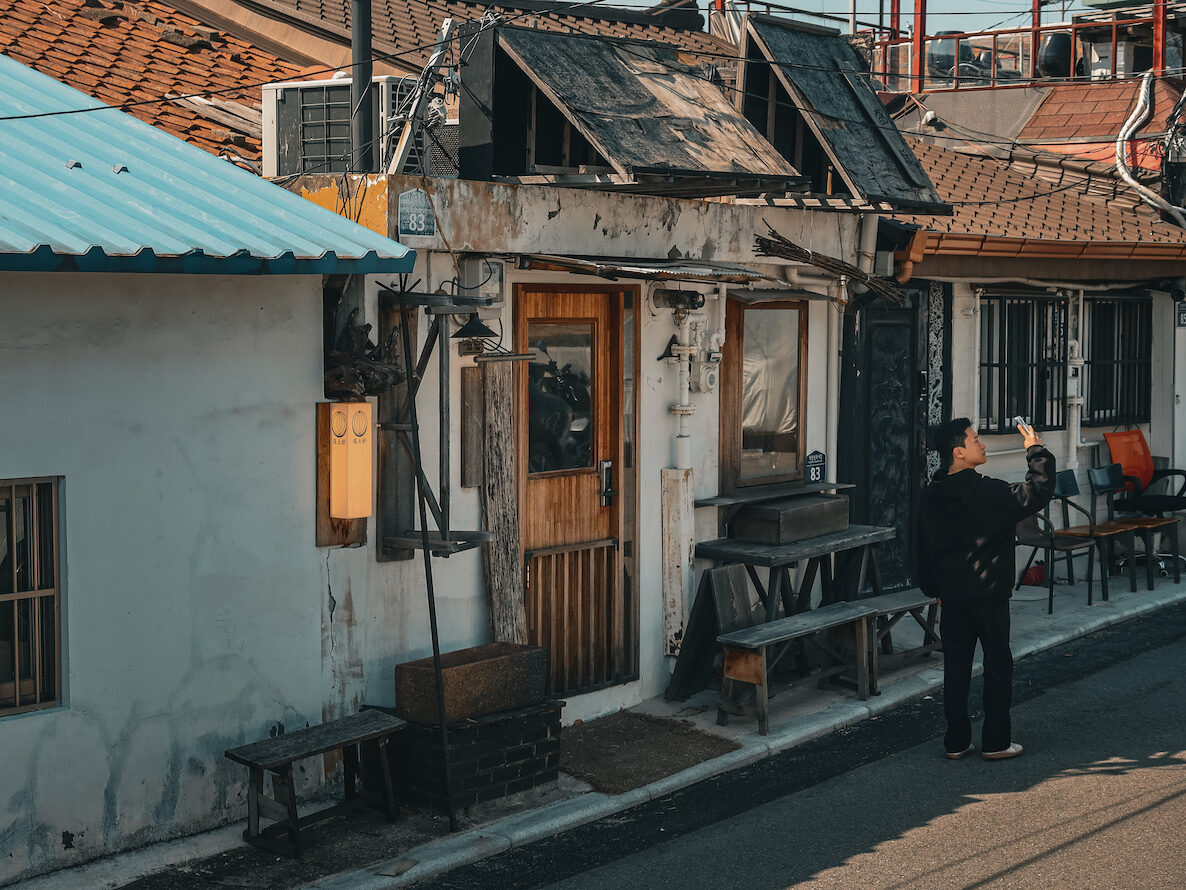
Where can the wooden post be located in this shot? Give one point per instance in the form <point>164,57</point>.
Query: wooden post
<point>502,562</point>
<point>678,546</point>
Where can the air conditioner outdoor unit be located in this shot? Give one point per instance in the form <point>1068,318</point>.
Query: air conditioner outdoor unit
<point>306,129</point>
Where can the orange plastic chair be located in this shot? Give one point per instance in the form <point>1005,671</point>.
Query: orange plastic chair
<point>1131,451</point>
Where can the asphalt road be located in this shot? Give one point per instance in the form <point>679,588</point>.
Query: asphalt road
<point>1097,801</point>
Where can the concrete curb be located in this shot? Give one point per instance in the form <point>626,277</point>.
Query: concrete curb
<point>441,856</point>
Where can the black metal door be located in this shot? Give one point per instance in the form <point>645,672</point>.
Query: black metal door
<point>883,415</point>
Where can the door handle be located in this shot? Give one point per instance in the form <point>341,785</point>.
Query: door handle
<point>605,470</point>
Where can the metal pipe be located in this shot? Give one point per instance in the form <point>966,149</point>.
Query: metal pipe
<point>362,124</point>
<point>916,60</point>
<point>682,354</point>
<point>1035,27</point>
<point>835,319</point>
<point>1134,123</point>
<point>1159,22</point>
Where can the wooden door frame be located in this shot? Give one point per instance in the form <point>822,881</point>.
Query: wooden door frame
<point>628,304</point>
<point>733,354</point>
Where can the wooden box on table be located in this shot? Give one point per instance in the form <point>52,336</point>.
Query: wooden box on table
<point>787,520</point>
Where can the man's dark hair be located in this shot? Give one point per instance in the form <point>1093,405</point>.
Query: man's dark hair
<point>952,434</point>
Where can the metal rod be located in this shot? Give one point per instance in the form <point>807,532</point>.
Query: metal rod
<point>446,347</point>
<point>432,606</point>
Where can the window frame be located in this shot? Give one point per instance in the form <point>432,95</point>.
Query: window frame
<point>40,663</point>
<point>1131,378</point>
<point>732,355</point>
<point>1000,374</point>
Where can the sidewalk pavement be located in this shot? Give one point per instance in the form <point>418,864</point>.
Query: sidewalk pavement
<point>798,714</point>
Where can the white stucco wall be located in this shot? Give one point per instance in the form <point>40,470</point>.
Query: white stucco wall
<point>178,411</point>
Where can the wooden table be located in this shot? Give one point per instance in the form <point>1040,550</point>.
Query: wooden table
<point>1130,527</point>
<point>277,755</point>
<point>859,540</point>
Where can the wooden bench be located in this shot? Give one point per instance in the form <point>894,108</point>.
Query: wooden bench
<point>746,652</point>
<point>277,755</point>
<point>889,609</point>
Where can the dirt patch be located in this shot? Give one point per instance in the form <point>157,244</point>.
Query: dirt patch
<point>627,750</point>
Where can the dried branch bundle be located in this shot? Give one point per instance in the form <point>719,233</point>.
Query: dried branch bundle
<point>778,246</point>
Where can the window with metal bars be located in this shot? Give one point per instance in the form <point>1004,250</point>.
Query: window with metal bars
<point>30,623</point>
<point>1023,354</point>
<point>1117,360</point>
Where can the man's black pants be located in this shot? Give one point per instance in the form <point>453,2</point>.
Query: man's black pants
<point>961,625</point>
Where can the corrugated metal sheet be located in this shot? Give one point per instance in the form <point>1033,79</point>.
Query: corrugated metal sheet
<point>101,191</point>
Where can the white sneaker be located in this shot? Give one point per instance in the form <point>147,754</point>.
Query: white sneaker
<point>1013,750</point>
<point>960,755</point>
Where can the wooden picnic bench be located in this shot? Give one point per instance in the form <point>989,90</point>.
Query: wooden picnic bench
<point>747,661</point>
<point>889,609</point>
<point>277,755</point>
<point>860,541</point>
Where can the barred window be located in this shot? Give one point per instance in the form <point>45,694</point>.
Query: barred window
<point>1117,360</point>
<point>1023,355</point>
<point>30,633</point>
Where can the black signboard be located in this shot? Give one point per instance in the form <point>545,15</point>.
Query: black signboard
<point>817,467</point>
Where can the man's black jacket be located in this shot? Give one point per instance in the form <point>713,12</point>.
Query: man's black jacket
<point>966,529</point>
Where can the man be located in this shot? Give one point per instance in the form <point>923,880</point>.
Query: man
<point>966,538</point>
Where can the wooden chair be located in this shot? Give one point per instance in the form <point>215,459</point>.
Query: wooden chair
<point>1108,483</point>
<point>1066,486</point>
<point>1039,532</point>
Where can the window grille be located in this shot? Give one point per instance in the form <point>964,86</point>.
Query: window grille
<point>1023,354</point>
<point>1117,361</point>
<point>30,630</point>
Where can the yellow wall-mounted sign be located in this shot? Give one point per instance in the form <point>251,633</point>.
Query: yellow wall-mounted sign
<point>351,461</point>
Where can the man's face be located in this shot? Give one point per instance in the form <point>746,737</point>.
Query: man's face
<point>973,452</point>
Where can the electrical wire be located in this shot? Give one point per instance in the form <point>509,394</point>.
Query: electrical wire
<point>486,24</point>
<point>488,21</point>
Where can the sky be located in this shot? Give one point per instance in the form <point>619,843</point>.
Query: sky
<point>951,15</point>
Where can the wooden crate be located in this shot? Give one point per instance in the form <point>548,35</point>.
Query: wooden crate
<point>791,519</point>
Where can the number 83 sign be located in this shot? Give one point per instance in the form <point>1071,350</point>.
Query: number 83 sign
<point>415,214</point>
<point>816,467</point>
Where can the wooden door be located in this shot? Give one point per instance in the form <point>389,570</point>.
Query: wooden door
<point>570,461</point>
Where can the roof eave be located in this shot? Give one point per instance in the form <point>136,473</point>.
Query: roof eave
<point>45,259</point>
<point>966,244</point>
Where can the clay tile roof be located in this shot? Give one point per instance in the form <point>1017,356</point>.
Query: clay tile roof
<point>411,26</point>
<point>121,52</point>
<point>1025,207</point>
<point>1096,110</point>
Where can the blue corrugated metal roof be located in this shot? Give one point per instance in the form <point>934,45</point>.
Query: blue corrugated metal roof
<point>101,191</point>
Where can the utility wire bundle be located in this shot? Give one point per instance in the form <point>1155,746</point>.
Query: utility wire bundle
<point>778,246</point>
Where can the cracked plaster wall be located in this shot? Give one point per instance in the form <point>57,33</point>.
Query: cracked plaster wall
<point>179,410</point>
